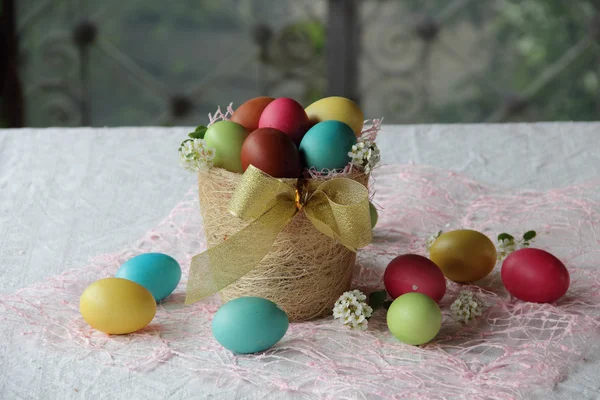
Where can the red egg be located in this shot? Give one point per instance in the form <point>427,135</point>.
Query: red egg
<point>535,275</point>
<point>286,115</point>
<point>273,152</point>
<point>414,273</point>
<point>248,114</point>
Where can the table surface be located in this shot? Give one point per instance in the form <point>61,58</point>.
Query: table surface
<point>67,195</point>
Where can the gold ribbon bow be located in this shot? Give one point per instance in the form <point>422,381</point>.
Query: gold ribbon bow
<point>338,208</point>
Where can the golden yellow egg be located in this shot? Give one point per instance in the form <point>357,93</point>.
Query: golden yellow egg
<point>117,306</point>
<point>338,109</point>
<point>464,255</point>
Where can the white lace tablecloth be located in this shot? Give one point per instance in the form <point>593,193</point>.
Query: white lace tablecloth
<point>68,195</point>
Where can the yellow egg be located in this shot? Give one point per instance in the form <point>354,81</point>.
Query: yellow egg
<point>464,255</point>
<point>339,109</point>
<point>117,306</point>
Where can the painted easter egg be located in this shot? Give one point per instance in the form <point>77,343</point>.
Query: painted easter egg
<point>414,273</point>
<point>464,255</point>
<point>249,325</point>
<point>535,275</point>
<point>374,215</point>
<point>273,152</point>
<point>338,109</point>
<point>226,138</point>
<point>414,318</point>
<point>326,145</point>
<point>117,306</point>
<point>286,115</point>
<point>157,272</point>
<point>248,114</point>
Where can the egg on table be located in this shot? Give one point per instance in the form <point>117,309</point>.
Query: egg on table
<point>117,306</point>
<point>464,255</point>
<point>338,109</point>
<point>227,138</point>
<point>286,115</point>
<point>157,272</point>
<point>326,145</point>
<point>414,273</point>
<point>273,152</point>
<point>249,325</point>
<point>414,318</point>
<point>248,114</point>
<point>374,215</point>
<point>535,275</point>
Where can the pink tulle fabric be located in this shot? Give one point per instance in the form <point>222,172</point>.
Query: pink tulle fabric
<point>514,348</point>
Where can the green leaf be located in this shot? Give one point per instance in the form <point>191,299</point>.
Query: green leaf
<point>198,133</point>
<point>527,236</point>
<point>387,304</point>
<point>377,298</point>
<point>505,236</point>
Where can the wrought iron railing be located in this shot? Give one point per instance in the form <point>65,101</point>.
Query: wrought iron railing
<point>141,63</point>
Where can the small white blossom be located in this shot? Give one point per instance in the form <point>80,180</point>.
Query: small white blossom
<point>466,307</point>
<point>509,244</point>
<point>194,155</point>
<point>431,240</point>
<point>505,247</point>
<point>351,309</point>
<point>365,155</point>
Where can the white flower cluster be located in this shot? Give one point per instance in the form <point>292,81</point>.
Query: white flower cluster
<point>351,309</point>
<point>431,240</point>
<point>508,245</point>
<point>194,155</point>
<point>365,154</point>
<point>466,307</point>
<point>505,247</point>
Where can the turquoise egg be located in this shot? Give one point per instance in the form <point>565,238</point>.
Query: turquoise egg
<point>157,272</point>
<point>326,145</point>
<point>249,325</point>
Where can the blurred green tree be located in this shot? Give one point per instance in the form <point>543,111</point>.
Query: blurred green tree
<point>529,37</point>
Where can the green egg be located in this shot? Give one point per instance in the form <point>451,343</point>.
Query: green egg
<point>414,318</point>
<point>374,216</point>
<point>227,138</point>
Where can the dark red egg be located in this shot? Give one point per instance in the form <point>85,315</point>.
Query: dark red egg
<point>535,275</point>
<point>273,152</point>
<point>286,115</point>
<point>248,114</point>
<point>414,273</point>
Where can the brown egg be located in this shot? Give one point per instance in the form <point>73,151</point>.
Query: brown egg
<point>273,152</point>
<point>249,113</point>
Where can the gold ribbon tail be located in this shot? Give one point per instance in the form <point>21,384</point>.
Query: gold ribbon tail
<point>222,265</point>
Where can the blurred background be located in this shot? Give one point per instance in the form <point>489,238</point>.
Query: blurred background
<point>151,62</point>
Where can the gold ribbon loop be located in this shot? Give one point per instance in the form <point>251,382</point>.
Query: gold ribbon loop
<point>339,208</point>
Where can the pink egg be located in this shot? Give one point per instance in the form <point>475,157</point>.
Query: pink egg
<point>535,275</point>
<point>286,115</point>
<point>414,273</point>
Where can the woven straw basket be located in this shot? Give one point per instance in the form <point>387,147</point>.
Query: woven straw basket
<point>305,271</point>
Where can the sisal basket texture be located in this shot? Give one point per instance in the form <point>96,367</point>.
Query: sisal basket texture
<point>304,273</point>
